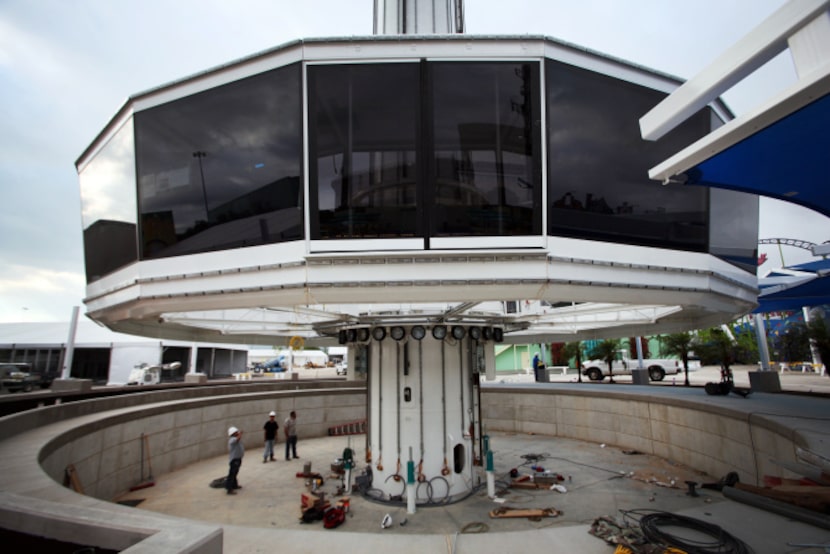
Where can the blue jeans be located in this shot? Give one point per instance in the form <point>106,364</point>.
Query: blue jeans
<point>233,470</point>
<point>269,449</point>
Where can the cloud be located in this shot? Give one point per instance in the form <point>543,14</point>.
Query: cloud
<point>31,293</point>
<point>20,279</point>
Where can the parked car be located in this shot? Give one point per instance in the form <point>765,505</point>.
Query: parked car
<point>19,377</point>
<point>342,368</point>
<point>597,370</point>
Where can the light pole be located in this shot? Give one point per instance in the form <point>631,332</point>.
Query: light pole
<point>199,154</point>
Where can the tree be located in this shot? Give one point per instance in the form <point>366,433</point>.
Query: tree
<point>679,344</point>
<point>715,345</point>
<point>606,350</point>
<point>573,350</point>
<point>794,343</point>
<point>817,330</point>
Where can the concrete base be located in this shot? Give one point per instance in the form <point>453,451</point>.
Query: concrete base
<point>639,377</point>
<point>764,381</point>
<point>75,385</point>
<point>198,378</point>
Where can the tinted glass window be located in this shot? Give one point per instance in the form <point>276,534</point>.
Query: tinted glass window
<point>733,224</point>
<point>221,169</point>
<point>734,231</point>
<point>108,206</point>
<point>598,184</point>
<point>363,133</point>
<point>486,169</point>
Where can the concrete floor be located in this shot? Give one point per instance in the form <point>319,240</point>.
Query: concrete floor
<point>600,480</point>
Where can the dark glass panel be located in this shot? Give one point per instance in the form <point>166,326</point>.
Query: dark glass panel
<point>733,223</point>
<point>363,133</point>
<point>487,165</point>
<point>108,208</point>
<point>221,169</point>
<point>733,234</point>
<point>598,165</point>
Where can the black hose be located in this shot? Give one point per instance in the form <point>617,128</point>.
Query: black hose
<point>653,525</point>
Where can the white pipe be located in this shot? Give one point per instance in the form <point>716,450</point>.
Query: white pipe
<point>813,347</point>
<point>410,498</point>
<point>70,345</point>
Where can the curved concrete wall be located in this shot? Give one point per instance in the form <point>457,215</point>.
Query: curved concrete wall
<point>102,439</point>
<point>106,451</point>
<point>712,434</point>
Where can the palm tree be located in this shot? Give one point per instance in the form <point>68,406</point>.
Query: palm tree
<point>716,345</point>
<point>820,336</point>
<point>679,344</point>
<point>606,350</point>
<point>574,350</point>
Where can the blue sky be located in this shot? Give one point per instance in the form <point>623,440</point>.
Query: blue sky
<point>66,67</point>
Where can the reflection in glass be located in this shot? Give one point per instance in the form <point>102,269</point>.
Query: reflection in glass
<point>363,131</point>
<point>733,235</point>
<point>598,184</point>
<point>221,169</point>
<point>487,176</point>
<point>108,208</point>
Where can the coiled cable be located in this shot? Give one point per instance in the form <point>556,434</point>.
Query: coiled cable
<point>654,524</point>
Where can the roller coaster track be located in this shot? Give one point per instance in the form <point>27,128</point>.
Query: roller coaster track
<point>806,245</point>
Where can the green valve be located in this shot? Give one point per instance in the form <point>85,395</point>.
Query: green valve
<point>410,472</point>
<point>489,460</point>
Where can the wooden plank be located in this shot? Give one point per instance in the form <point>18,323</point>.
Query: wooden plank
<point>74,480</point>
<point>524,512</point>
<point>808,500</point>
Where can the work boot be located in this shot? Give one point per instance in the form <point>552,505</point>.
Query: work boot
<point>231,491</point>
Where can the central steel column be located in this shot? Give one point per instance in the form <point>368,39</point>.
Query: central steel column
<point>423,407</point>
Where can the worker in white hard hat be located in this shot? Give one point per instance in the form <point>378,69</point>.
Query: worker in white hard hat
<point>270,429</point>
<point>235,453</point>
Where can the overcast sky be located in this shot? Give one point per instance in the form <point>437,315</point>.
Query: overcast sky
<point>67,66</point>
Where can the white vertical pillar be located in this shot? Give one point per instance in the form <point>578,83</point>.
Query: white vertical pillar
<point>70,344</point>
<point>639,341</point>
<point>761,337</point>
<point>814,353</point>
<point>191,366</point>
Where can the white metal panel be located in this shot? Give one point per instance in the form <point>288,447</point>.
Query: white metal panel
<point>749,53</point>
<point>810,46</point>
<point>815,85</point>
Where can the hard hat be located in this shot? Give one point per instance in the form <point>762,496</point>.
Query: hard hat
<point>272,413</point>
<point>232,431</point>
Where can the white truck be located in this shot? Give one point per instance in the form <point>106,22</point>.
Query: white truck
<point>597,370</point>
<point>146,374</point>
